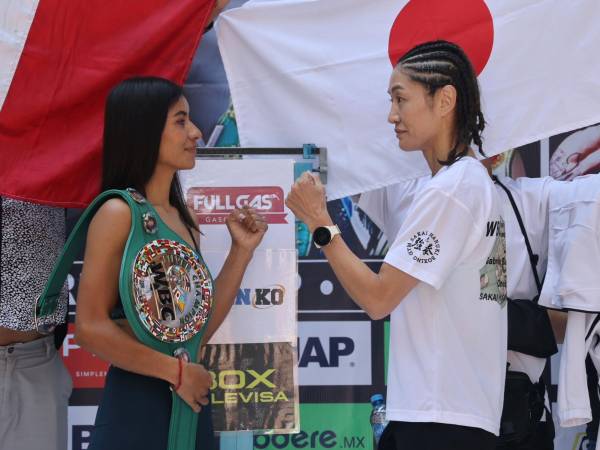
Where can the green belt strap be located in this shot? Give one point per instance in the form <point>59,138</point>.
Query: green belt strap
<point>146,227</point>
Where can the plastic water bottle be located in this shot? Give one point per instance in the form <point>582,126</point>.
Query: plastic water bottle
<point>378,422</point>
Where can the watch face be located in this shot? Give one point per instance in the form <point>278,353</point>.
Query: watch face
<point>321,236</point>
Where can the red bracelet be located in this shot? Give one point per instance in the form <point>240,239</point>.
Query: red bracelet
<point>180,376</point>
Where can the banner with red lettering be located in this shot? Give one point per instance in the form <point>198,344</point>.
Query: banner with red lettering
<point>253,356</point>
<point>267,298</point>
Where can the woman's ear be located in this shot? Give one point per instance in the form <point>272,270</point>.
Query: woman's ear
<point>446,99</point>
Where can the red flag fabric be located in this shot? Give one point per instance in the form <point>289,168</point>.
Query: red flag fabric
<point>52,119</point>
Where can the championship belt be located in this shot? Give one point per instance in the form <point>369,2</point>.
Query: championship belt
<point>165,287</point>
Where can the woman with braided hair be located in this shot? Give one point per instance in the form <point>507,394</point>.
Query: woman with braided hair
<point>443,281</point>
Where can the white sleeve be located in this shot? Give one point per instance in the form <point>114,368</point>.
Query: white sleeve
<point>438,232</point>
<point>573,399</point>
<point>535,194</point>
<point>374,204</point>
<point>388,206</point>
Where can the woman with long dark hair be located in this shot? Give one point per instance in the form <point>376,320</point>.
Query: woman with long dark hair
<point>148,137</point>
<point>443,281</point>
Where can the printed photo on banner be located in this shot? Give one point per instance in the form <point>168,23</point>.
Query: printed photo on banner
<point>253,386</point>
<point>575,153</point>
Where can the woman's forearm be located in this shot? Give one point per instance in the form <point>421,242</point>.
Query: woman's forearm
<point>376,293</point>
<point>358,280</point>
<point>108,341</point>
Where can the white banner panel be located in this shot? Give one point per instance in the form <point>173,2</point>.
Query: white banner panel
<point>265,307</point>
<point>334,353</point>
<point>81,423</point>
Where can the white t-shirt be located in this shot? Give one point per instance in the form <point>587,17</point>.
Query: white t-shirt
<point>531,198</point>
<point>388,206</point>
<point>572,280</point>
<point>448,340</point>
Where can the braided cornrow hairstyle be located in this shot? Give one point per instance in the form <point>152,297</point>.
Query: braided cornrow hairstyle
<point>439,63</point>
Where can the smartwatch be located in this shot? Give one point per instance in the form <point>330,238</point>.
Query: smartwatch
<point>322,236</point>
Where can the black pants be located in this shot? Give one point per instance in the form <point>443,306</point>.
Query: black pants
<point>542,439</point>
<point>434,436</point>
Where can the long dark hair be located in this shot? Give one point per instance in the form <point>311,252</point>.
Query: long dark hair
<point>134,120</point>
<point>439,63</point>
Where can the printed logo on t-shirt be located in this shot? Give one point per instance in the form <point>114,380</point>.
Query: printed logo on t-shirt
<point>493,273</point>
<point>423,247</point>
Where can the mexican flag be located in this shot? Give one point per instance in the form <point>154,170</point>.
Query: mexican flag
<point>59,60</point>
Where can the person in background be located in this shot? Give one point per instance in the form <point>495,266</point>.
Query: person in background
<point>34,383</point>
<point>531,201</point>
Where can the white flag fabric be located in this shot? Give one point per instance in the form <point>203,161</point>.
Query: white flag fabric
<point>16,17</point>
<point>318,71</point>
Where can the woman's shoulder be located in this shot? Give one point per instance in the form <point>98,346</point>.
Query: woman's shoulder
<point>115,208</point>
<point>114,214</point>
<point>464,178</point>
<point>109,228</point>
<point>468,185</point>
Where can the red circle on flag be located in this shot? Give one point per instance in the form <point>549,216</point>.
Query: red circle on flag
<point>467,23</point>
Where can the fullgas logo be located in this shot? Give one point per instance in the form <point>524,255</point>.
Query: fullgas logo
<point>334,353</point>
<point>261,298</point>
<point>212,205</point>
<point>324,426</point>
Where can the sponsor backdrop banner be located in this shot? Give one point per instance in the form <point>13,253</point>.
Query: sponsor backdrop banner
<point>252,357</point>
<point>335,353</point>
<point>267,298</point>
<point>325,426</point>
<point>253,386</point>
<point>265,307</point>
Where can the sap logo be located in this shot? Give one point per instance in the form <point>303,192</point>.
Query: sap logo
<point>314,352</point>
<point>316,439</point>
<point>334,353</point>
<point>261,298</point>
